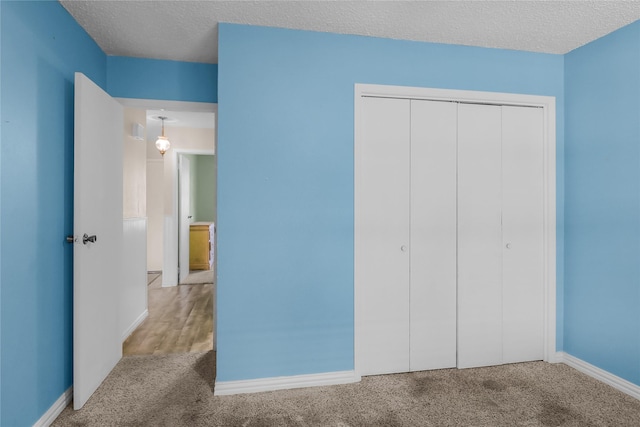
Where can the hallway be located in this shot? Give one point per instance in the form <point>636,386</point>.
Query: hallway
<point>180,320</point>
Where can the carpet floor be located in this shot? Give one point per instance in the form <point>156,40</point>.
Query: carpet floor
<point>175,390</point>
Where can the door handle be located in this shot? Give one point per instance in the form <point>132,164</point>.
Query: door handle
<point>86,238</point>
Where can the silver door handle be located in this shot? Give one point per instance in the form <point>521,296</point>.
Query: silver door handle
<point>86,238</point>
<point>403,248</point>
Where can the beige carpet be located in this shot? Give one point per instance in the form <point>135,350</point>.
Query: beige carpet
<point>175,390</point>
<point>198,277</point>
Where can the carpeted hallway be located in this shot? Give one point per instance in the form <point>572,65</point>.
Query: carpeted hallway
<point>175,390</point>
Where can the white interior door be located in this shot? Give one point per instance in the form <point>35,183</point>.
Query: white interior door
<point>434,130</point>
<point>184,212</point>
<point>523,231</point>
<point>479,236</point>
<point>382,237</point>
<point>97,265</point>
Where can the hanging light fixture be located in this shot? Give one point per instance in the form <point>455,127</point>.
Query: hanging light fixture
<point>162,144</point>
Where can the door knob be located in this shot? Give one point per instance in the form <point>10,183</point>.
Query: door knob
<point>70,239</point>
<point>86,238</point>
<point>508,245</point>
<point>403,248</point>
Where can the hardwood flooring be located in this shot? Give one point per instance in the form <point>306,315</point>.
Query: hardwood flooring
<point>180,320</point>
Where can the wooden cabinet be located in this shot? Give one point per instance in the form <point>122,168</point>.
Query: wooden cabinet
<point>201,235</point>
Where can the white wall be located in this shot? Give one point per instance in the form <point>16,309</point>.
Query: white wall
<point>134,167</point>
<point>133,305</point>
<point>155,213</point>
<point>133,287</point>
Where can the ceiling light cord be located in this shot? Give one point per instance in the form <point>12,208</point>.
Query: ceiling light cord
<point>162,143</point>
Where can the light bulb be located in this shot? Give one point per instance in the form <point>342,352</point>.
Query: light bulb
<point>162,144</point>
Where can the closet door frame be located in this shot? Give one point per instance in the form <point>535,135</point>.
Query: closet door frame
<point>548,105</point>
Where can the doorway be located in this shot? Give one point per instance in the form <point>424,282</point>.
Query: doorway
<point>197,217</point>
<point>178,318</point>
<point>191,132</point>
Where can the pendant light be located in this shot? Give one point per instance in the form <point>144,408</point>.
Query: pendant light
<point>162,144</point>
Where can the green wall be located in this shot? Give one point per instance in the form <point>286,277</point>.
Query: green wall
<point>203,185</point>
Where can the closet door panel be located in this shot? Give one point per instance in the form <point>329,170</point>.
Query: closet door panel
<point>479,236</point>
<point>382,237</point>
<point>522,177</point>
<point>433,235</point>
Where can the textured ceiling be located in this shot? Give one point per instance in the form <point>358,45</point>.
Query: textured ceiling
<point>186,30</point>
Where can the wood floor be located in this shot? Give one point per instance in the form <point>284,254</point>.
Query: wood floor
<point>180,320</point>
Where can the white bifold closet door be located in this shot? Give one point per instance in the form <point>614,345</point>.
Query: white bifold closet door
<point>522,234</point>
<point>433,235</point>
<point>382,237</point>
<point>479,235</point>
<point>448,235</point>
<point>500,169</point>
<point>405,236</point>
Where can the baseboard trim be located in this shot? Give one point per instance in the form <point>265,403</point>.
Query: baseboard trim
<point>614,381</point>
<point>556,357</point>
<point>135,324</point>
<point>283,383</point>
<point>56,409</point>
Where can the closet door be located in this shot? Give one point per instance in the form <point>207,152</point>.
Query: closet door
<point>433,235</point>
<point>522,229</point>
<point>479,236</point>
<point>382,237</point>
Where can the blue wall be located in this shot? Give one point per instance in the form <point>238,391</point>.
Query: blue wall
<point>285,195</point>
<point>1,120</point>
<point>157,79</point>
<point>42,47</point>
<point>286,188</point>
<point>602,170</point>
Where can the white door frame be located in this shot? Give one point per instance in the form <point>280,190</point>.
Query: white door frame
<point>184,186</point>
<point>171,239</point>
<point>548,104</point>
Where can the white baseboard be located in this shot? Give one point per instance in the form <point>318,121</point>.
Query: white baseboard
<point>135,324</point>
<point>282,383</point>
<point>614,381</point>
<point>58,406</point>
<point>556,357</point>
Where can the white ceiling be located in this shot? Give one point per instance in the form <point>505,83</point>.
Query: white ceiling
<point>178,114</point>
<point>187,119</point>
<point>186,30</point>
